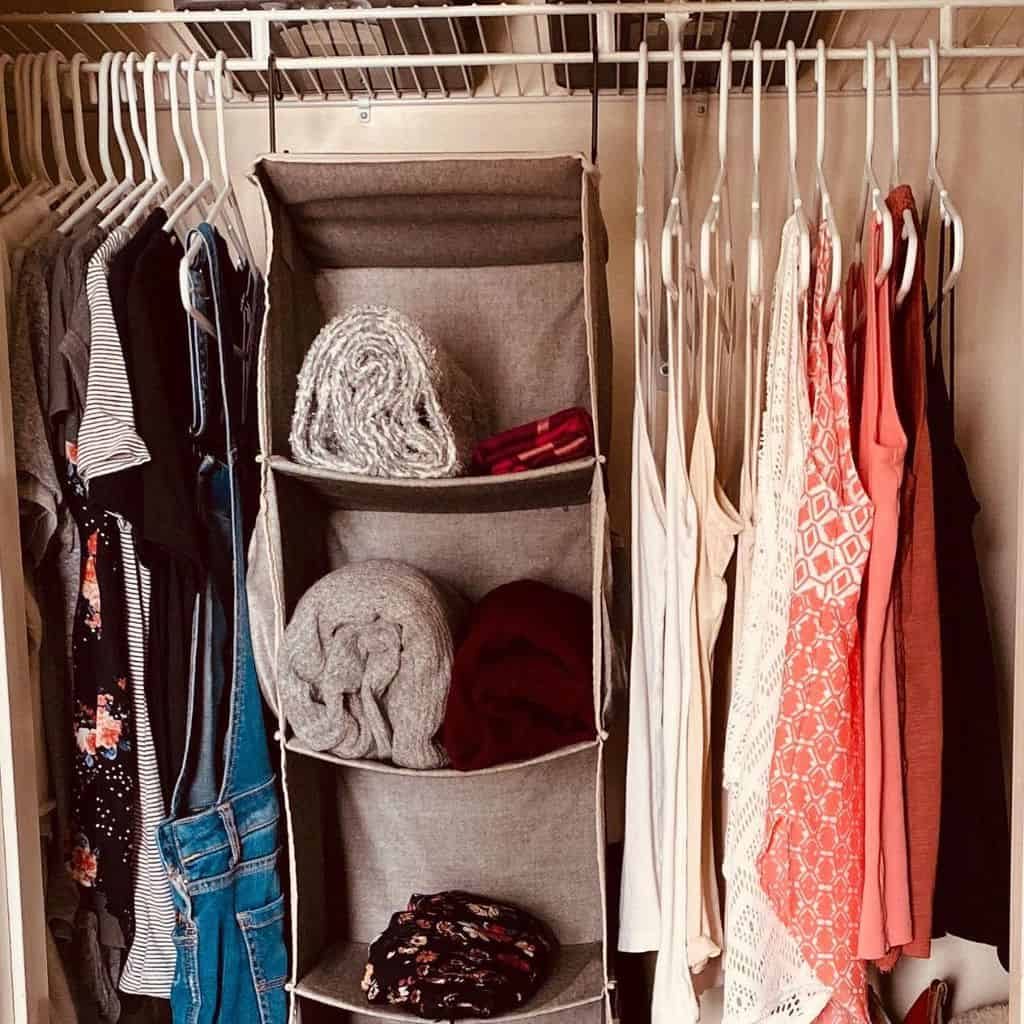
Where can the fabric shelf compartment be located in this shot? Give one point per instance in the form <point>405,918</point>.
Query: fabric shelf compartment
<point>577,981</point>
<point>567,484</point>
<point>367,840</point>
<point>501,260</point>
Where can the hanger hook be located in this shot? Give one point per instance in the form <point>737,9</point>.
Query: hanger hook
<point>894,99</point>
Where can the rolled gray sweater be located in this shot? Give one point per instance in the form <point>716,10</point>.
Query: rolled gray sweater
<point>365,663</point>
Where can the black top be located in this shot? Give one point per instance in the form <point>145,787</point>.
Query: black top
<point>972,889</point>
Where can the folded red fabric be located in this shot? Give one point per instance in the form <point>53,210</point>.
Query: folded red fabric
<point>561,437</point>
<point>522,679</point>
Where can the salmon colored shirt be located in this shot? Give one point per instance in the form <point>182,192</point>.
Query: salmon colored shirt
<point>885,921</point>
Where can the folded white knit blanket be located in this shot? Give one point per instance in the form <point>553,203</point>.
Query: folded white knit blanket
<point>376,396</point>
<point>366,663</point>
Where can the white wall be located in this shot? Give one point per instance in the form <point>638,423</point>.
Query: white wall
<point>982,156</point>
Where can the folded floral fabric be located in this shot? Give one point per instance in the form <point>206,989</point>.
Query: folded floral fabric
<point>377,397</point>
<point>522,679</point>
<point>562,437</point>
<point>453,955</point>
<point>365,663</point>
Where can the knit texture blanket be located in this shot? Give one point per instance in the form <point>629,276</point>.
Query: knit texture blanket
<point>377,397</point>
<point>366,661</point>
<point>522,681</point>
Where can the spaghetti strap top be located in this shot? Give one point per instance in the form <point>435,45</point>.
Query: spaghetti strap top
<point>640,917</point>
<point>812,863</point>
<point>916,602</point>
<point>885,921</point>
<point>673,1000</point>
<point>717,526</point>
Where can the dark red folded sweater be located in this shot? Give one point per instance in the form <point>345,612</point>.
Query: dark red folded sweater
<point>561,437</point>
<point>522,679</point>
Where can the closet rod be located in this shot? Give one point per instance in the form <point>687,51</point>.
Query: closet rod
<point>502,10</point>
<point>372,62</point>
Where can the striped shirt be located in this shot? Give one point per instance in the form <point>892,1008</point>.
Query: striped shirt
<point>107,439</point>
<point>149,968</point>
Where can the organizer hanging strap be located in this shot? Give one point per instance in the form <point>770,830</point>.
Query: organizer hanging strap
<point>274,94</point>
<point>595,90</point>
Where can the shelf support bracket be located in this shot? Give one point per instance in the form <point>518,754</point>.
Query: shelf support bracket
<point>947,27</point>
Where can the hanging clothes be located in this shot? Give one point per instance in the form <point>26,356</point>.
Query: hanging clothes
<point>885,915</point>
<point>220,843</point>
<point>156,496</point>
<point>673,998</point>
<point>639,915</point>
<point>813,861</point>
<point>916,600</point>
<point>717,526</point>
<point>765,971</point>
<point>753,388</point>
<point>974,842</point>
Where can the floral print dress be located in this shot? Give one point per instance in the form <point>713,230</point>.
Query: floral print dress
<point>103,781</point>
<point>452,955</point>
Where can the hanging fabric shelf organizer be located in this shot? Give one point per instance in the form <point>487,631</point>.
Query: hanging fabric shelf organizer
<point>502,260</point>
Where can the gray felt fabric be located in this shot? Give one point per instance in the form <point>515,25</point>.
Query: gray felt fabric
<point>474,553</point>
<point>527,836</point>
<point>365,663</point>
<point>518,331</point>
<point>377,396</point>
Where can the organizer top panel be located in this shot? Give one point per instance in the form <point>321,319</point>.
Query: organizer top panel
<point>461,212</point>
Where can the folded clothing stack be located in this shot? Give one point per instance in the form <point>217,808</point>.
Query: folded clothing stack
<point>377,397</point>
<point>555,439</point>
<point>366,662</point>
<point>522,679</point>
<point>454,955</point>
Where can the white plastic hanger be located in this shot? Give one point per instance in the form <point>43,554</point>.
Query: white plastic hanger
<point>36,136</point>
<point>755,247</point>
<point>31,184</point>
<point>205,185</point>
<point>794,182</point>
<point>186,185</point>
<point>134,196</point>
<point>13,181</point>
<point>712,217</point>
<point>826,211</point>
<point>159,183</point>
<point>908,232</point>
<point>109,183</point>
<point>127,182</point>
<point>948,212</point>
<point>225,200</point>
<point>675,214</point>
<point>88,183</point>
<point>642,296</point>
<point>66,182</point>
<point>872,192</point>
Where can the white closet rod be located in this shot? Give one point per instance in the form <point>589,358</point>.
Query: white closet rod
<point>427,60</point>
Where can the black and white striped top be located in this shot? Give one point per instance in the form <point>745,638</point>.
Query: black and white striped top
<point>107,439</point>
<point>149,968</point>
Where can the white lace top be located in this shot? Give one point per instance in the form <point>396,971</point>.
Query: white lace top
<point>766,978</point>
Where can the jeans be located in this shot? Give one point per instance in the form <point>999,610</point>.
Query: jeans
<point>220,844</point>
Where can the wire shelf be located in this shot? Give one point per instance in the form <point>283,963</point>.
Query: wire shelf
<point>533,51</point>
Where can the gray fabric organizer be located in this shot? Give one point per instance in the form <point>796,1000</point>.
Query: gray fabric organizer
<point>502,259</point>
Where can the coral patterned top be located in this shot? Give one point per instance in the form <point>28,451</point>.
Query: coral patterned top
<point>812,864</point>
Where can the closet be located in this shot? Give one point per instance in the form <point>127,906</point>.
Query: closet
<point>366,110</point>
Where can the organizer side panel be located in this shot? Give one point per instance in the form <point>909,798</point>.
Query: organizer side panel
<point>293,319</point>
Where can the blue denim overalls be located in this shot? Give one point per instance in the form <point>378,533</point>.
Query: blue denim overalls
<point>220,844</point>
